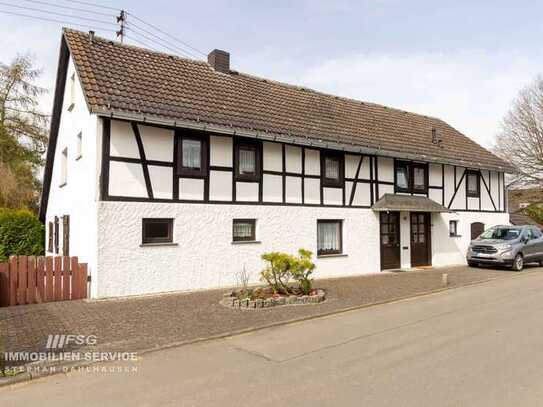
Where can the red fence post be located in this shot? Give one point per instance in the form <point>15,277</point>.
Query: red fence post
<point>49,285</point>
<point>74,282</point>
<point>83,270</point>
<point>65,278</point>
<point>40,276</point>
<point>23,280</point>
<point>58,279</point>
<point>13,277</point>
<point>31,280</point>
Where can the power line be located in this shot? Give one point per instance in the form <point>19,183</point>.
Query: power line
<point>142,43</point>
<point>153,41</point>
<point>45,3</point>
<point>93,5</point>
<point>94,20</point>
<point>161,41</point>
<point>165,33</point>
<point>54,20</point>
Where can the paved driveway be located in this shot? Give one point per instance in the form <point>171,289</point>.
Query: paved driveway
<point>478,346</point>
<point>144,323</point>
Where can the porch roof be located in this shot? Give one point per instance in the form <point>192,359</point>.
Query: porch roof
<point>407,203</point>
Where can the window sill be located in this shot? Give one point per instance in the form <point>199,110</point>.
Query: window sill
<point>63,184</point>
<point>324,256</point>
<point>246,242</point>
<point>159,244</point>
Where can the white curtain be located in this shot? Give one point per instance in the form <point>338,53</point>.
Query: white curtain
<point>418,177</point>
<point>328,236</point>
<point>191,153</point>
<point>242,230</point>
<point>331,168</point>
<point>246,161</point>
<point>401,178</point>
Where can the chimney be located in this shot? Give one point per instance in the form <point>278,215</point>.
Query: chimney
<point>91,36</point>
<point>219,60</point>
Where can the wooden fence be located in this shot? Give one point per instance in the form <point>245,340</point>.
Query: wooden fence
<point>33,280</point>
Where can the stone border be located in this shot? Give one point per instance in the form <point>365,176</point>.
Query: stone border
<point>232,302</point>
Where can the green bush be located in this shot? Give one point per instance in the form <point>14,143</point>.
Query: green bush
<point>535,211</point>
<point>21,233</point>
<point>282,268</point>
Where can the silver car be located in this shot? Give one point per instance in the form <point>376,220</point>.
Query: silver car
<point>510,246</point>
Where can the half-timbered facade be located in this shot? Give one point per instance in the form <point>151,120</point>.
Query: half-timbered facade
<point>158,200</point>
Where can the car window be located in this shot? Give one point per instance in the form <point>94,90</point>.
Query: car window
<point>537,233</point>
<point>501,233</point>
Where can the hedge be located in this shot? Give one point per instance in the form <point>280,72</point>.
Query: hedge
<point>535,211</point>
<point>21,233</point>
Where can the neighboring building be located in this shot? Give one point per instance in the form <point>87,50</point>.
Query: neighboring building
<point>170,174</point>
<point>519,200</point>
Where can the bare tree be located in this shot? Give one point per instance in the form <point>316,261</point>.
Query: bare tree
<point>521,139</point>
<point>23,133</point>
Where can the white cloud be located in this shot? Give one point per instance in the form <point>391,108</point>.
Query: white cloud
<point>471,90</point>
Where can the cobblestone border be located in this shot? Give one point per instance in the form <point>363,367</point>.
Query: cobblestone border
<point>232,302</point>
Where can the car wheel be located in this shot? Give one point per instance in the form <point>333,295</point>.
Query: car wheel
<point>518,263</point>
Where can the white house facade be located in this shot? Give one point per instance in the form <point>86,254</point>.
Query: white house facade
<point>156,200</point>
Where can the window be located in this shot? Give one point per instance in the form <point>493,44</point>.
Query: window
<point>537,233</point>
<point>244,230</point>
<point>79,146</point>
<point>156,230</point>
<point>64,167</point>
<point>72,92</point>
<point>420,184</point>
<point>329,237</point>
<point>50,237</point>
<point>332,169</point>
<point>247,161</point>
<point>57,237</point>
<point>402,176</point>
<point>453,228</point>
<point>472,184</point>
<point>410,177</point>
<point>192,156</point>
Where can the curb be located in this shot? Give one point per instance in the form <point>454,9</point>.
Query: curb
<point>65,369</point>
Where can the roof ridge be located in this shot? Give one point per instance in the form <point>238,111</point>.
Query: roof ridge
<point>120,44</point>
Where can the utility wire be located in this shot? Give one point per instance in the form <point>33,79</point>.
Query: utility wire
<point>94,20</point>
<point>140,42</point>
<point>86,3</point>
<point>55,20</point>
<point>165,33</point>
<point>45,3</point>
<point>153,41</point>
<point>160,41</point>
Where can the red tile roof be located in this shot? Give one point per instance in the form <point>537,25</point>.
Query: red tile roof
<point>131,80</point>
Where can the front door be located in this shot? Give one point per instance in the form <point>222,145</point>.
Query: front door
<point>390,240</point>
<point>420,240</point>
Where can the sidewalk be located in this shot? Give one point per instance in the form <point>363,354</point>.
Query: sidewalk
<point>154,322</point>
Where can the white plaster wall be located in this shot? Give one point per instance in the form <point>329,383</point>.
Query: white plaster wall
<point>247,191</point>
<point>351,165</point>
<point>157,143</point>
<point>312,191</point>
<point>362,195</point>
<point>205,256</point>
<point>122,140</point>
<point>191,188</point>
<point>220,151</point>
<point>272,188</point>
<point>332,196</point>
<point>452,250</point>
<point>434,175</point>
<point>78,197</point>
<point>126,179</point>
<point>293,159</point>
<point>386,169</point>
<point>272,155</point>
<point>365,168</point>
<point>312,162</point>
<point>220,185</point>
<point>293,190</point>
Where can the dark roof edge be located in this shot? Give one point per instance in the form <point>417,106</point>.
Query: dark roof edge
<point>267,136</point>
<point>63,59</point>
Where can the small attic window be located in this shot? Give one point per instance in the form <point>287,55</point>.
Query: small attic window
<point>72,92</point>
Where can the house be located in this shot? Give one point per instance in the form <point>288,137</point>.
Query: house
<point>165,173</point>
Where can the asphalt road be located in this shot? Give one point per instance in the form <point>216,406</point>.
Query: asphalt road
<point>473,346</point>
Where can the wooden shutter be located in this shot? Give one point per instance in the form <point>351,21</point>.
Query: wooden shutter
<point>50,238</point>
<point>66,235</point>
<point>57,238</point>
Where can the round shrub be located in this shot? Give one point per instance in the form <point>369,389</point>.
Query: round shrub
<point>21,233</point>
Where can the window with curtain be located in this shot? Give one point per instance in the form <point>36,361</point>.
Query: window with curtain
<point>244,230</point>
<point>329,239</point>
<point>247,160</point>
<point>402,177</point>
<point>331,168</point>
<point>419,178</point>
<point>332,163</point>
<point>192,154</point>
<point>453,228</point>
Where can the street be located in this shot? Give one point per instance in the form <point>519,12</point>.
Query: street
<point>474,346</point>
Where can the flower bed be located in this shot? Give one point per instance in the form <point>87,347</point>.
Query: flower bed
<point>263,298</point>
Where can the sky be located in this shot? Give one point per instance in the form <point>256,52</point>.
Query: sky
<point>462,61</point>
